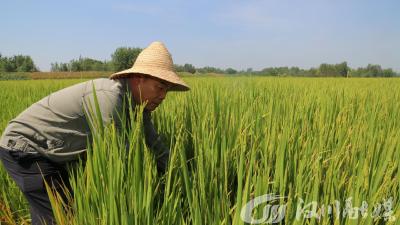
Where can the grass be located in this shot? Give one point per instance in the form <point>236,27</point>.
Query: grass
<point>231,140</point>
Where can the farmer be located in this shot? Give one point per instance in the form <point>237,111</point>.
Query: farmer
<point>54,131</point>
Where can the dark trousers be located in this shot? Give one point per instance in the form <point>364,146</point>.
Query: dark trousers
<point>29,172</point>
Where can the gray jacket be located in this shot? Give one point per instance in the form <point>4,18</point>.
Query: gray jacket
<point>57,127</point>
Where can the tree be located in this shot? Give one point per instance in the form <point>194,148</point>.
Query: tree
<point>209,69</point>
<point>325,70</point>
<point>342,69</point>
<point>294,71</point>
<point>388,73</point>
<point>3,64</point>
<point>179,68</point>
<point>59,67</point>
<point>312,72</point>
<point>82,64</point>
<point>189,68</point>
<point>18,63</point>
<point>64,67</point>
<point>75,65</point>
<point>374,70</point>
<point>123,58</point>
<point>25,64</point>
<point>333,70</point>
<point>230,71</point>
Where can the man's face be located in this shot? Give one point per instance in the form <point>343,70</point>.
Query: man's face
<point>148,90</point>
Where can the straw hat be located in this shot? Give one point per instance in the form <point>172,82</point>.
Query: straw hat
<point>155,61</point>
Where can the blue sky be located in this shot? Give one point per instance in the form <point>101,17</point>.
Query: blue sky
<point>237,34</point>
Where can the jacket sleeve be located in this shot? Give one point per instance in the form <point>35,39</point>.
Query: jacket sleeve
<point>109,108</point>
<point>154,142</point>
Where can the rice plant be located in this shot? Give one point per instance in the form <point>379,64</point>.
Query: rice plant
<point>315,143</point>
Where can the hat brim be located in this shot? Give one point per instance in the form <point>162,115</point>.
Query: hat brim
<point>169,76</point>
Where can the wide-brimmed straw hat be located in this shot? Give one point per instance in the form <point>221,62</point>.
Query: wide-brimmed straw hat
<point>155,61</point>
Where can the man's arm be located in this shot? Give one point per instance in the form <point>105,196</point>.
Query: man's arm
<point>155,143</point>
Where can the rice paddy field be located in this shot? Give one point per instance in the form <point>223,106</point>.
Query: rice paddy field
<point>244,150</point>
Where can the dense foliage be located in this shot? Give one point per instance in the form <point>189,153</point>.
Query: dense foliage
<point>17,63</point>
<point>122,58</point>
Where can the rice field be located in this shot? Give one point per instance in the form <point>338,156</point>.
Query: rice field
<point>244,150</point>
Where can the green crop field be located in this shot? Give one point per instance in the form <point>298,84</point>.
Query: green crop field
<point>305,150</point>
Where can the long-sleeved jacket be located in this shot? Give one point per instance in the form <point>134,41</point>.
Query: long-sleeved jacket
<point>58,128</point>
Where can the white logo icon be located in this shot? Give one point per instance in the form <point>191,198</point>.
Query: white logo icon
<point>271,213</point>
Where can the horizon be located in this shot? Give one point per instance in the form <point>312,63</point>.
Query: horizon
<point>224,34</point>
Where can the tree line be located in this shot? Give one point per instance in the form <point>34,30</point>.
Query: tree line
<point>327,70</point>
<point>17,63</point>
<point>121,59</point>
<point>124,57</point>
